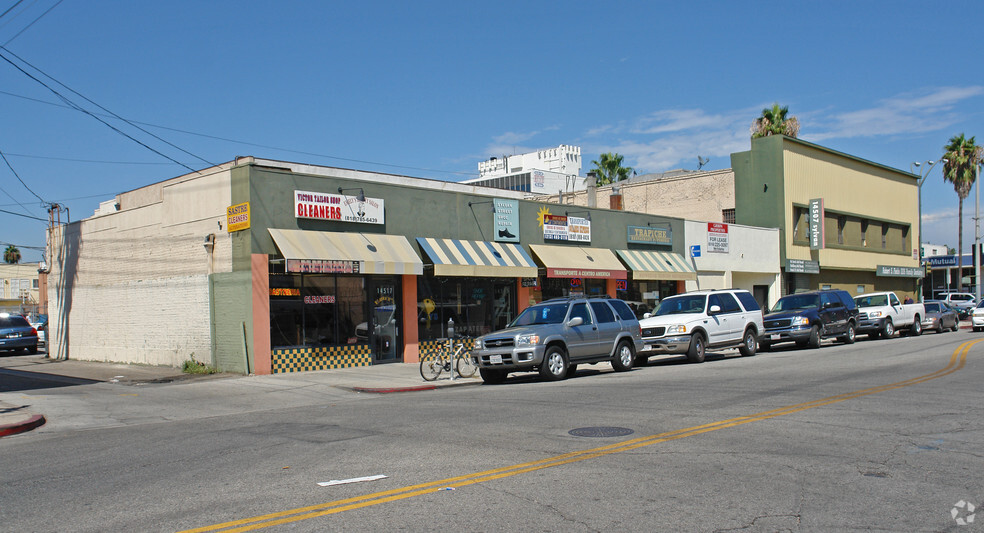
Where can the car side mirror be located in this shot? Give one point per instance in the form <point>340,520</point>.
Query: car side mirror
<point>576,321</point>
<point>647,315</point>
<point>715,309</point>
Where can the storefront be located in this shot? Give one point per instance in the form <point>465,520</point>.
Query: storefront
<point>315,268</point>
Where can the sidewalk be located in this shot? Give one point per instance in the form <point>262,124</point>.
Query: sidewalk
<point>377,379</point>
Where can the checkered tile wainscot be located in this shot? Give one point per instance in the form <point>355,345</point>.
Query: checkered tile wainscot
<point>321,358</point>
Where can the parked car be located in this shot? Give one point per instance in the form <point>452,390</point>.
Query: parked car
<point>40,324</point>
<point>964,302</point>
<point>555,336</point>
<point>17,334</point>
<point>694,322</point>
<point>882,313</point>
<point>940,317</point>
<point>808,317</point>
<point>977,317</point>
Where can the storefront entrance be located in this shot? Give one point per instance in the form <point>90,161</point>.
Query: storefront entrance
<point>384,319</point>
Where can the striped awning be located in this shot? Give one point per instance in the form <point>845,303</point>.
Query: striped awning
<point>452,257</point>
<point>652,265</point>
<point>346,253</point>
<point>579,262</point>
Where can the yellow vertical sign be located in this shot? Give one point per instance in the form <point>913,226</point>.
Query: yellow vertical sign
<point>237,217</point>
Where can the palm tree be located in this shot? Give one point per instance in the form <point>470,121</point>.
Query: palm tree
<point>774,122</point>
<point>610,169</point>
<point>11,255</point>
<point>959,164</point>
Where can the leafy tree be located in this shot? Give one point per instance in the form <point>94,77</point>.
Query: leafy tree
<point>610,169</point>
<point>775,122</point>
<point>959,165</point>
<point>11,255</point>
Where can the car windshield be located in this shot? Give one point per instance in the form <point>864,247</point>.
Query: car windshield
<point>875,300</point>
<point>541,314</point>
<point>679,305</point>
<point>797,301</point>
<point>13,321</point>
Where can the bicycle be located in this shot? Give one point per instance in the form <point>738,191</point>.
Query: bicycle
<point>451,355</point>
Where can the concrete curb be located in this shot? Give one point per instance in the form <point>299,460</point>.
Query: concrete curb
<point>22,426</point>
<point>414,388</point>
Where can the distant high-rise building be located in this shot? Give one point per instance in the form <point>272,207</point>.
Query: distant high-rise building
<point>546,171</point>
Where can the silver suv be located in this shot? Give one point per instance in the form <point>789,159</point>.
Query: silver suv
<point>555,336</point>
<point>694,322</point>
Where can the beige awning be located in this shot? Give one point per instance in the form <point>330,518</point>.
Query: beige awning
<point>349,253</point>
<point>579,262</point>
<point>652,265</point>
<point>453,257</point>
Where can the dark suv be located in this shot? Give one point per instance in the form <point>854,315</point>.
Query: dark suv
<point>807,317</point>
<point>556,335</point>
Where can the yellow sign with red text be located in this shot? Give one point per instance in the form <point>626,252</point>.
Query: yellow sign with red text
<point>237,217</point>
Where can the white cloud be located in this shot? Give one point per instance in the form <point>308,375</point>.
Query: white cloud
<point>906,113</point>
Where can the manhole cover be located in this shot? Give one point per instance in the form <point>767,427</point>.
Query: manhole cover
<point>600,432</point>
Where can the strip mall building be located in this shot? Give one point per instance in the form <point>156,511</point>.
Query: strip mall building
<point>261,266</point>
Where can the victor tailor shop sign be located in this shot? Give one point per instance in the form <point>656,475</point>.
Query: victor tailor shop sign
<point>337,207</point>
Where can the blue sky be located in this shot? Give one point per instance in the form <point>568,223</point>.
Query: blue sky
<point>429,89</point>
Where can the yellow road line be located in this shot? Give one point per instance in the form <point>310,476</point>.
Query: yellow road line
<point>957,361</point>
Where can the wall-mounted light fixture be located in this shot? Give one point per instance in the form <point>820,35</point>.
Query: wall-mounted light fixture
<point>483,202</point>
<point>360,197</point>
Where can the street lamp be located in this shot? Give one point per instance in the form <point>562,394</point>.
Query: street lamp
<point>919,183</point>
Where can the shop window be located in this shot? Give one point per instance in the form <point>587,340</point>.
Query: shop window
<point>476,305</point>
<point>316,310</point>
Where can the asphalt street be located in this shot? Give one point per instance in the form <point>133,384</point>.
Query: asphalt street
<point>883,435</point>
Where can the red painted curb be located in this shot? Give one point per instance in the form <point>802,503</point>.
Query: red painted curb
<point>29,424</point>
<point>387,390</point>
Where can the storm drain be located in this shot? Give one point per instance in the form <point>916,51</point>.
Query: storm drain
<point>600,432</point>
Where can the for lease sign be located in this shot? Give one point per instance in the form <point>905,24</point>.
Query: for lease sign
<point>717,237</point>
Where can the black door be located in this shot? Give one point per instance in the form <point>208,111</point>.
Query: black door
<point>384,320</point>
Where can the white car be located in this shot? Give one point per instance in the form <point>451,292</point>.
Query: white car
<point>962,301</point>
<point>693,322</point>
<point>977,317</point>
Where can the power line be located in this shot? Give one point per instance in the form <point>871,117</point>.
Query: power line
<point>32,22</point>
<point>16,175</point>
<point>75,160</point>
<point>86,111</point>
<point>246,143</point>
<point>45,220</point>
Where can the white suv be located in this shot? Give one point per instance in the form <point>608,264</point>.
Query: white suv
<point>694,322</point>
<point>962,301</point>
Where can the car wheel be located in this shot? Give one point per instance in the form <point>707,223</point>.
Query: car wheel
<point>916,328</point>
<point>622,361</point>
<point>554,365</point>
<point>940,328</point>
<point>888,329</point>
<point>492,376</point>
<point>748,344</point>
<point>696,352</point>
<point>814,341</point>
<point>956,325</point>
<point>850,336</point>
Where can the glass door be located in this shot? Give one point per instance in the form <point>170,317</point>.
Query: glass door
<point>384,320</point>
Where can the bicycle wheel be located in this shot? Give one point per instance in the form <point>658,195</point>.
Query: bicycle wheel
<point>466,366</point>
<point>432,366</point>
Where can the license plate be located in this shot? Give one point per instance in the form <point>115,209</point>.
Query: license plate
<point>495,359</point>
<point>774,337</point>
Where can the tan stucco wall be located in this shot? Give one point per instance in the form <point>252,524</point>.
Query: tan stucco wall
<point>848,186</point>
<point>692,196</point>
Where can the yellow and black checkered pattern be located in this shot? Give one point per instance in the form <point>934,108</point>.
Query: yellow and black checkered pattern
<point>320,358</point>
<point>428,348</point>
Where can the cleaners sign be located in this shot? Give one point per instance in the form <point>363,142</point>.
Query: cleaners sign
<point>337,207</point>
